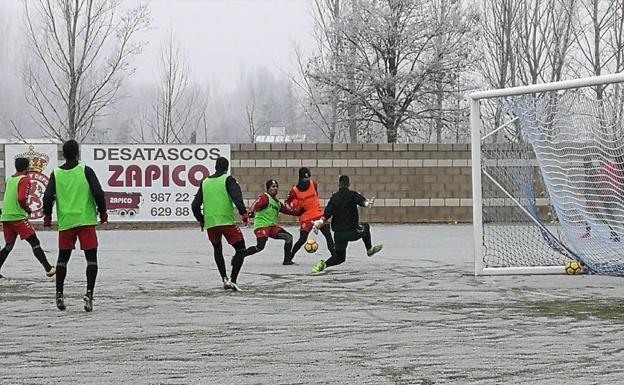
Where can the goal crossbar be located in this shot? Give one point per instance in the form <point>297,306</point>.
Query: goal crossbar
<point>554,86</point>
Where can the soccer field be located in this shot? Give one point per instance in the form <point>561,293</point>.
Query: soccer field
<point>413,314</point>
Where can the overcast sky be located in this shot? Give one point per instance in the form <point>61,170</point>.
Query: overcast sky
<point>223,36</point>
<point>220,36</point>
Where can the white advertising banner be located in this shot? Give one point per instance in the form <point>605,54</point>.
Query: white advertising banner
<point>151,183</point>
<point>43,160</point>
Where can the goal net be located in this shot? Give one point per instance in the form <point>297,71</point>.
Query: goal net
<point>548,177</point>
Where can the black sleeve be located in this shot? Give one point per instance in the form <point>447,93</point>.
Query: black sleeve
<point>96,189</point>
<point>196,205</point>
<point>358,199</point>
<point>49,195</point>
<point>330,209</point>
<point>235,193</point>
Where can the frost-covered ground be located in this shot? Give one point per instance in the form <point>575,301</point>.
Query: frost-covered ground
<point>414,314</point>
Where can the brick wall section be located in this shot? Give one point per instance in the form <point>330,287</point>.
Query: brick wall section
<point>413,183</point>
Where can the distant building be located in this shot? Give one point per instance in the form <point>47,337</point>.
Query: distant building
<point>278,135</point>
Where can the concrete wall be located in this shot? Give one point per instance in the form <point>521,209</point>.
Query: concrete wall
<point>413,183</point>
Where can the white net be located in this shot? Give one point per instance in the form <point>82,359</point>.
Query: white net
<point>518,230</point>
<point>557,191</point>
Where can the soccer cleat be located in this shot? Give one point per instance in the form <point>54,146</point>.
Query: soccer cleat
<point>60,301</point>
<point>227,285</point>
<point>235,287</point>
<point>51,272</point>
<point>88,302</point>
<point>320,266</point>
<point>288,262</point>
<point>374,250</point>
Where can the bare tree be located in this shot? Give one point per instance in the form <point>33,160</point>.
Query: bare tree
<point>600,43</point>
<point>179,108</point>
<point>394,59</point>
<point>267,98</point>
<point>526,41</point>
<point>448,85</point>
<point>562,27</point>
<point>312,97</point>
<point>544,37</point>
<point>250,110</point>
<point>499,37</point>
<point>324,103</point>
<point>598,26</point>
<point>81,52</point>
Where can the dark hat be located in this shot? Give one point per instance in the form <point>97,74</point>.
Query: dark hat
<point>70,149</point>
<point>222,164</point>
<point>304,172</point>
<point>270,183</point>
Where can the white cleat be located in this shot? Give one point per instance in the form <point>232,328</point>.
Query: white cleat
<point>235,287</point>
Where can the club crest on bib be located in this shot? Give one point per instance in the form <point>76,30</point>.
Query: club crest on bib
<point>38,180</point>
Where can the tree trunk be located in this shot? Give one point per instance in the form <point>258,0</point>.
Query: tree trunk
<point>352,109</point>
<point>71,113</point>
<point>353,129</point>
<point>438,115</point>
<point>333,124</point>
<point>391,131</point>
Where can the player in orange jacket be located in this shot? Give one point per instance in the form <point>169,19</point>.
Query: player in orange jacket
<point>304,197</point>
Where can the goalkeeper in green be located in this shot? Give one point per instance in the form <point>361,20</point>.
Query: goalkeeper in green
<point>342,208</point>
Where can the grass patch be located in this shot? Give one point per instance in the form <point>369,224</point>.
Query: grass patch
<point>612,311</point>
<point>404,376</point>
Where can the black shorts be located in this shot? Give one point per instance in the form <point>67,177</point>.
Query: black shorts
<point>342,238</point>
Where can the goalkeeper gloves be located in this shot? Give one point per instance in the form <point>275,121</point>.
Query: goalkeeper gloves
<point>316,225</point>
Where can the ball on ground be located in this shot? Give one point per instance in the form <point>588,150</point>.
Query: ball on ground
<point>573,268</point>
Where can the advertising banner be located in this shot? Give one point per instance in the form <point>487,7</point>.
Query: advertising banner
<point>151,183</point>
<point>43,159</point>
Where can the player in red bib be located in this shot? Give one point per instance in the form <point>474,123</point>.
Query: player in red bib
<point>78,195</point>
<point>213,207</point>
<point>15,216</point>
<point>266,209</point>
<point>304,198</point>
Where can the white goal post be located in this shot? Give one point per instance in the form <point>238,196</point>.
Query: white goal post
<point>557,140</point>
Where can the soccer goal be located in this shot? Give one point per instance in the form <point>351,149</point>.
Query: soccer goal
<point>548,177</point>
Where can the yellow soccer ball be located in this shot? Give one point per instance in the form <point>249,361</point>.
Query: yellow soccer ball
<point>311,246</point>
<point>573,268</point>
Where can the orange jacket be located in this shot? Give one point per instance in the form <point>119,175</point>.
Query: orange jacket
<point>308,200</point>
